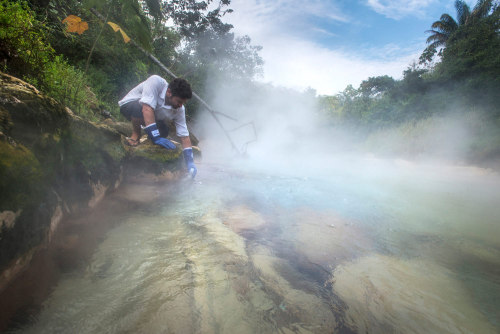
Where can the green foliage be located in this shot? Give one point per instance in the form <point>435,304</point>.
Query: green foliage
<point>471,63</point>
<point>442,30</point>
<point>462,135</point>
<point>24,44</point>
<point>129,15</point>
<point>199,46</point>
<point>20,176</point>
<point>473,49</point>
<point>23,48</point>
<point>377,86</point>
<point>166,41</point>
<point>209,48</point>
<point>114,66</point>
<point>193,18</point>
<point>68,85</point>
<point>428,54</point>
<point>330,106</point>
<point>413,81</point>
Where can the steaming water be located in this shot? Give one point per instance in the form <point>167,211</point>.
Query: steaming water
<point>388,248</point>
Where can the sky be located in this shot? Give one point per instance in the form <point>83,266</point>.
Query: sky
<point>329,44</point>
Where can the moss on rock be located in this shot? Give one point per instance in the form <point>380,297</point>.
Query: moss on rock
<point>147,150</point>
<point>152,158</point>
<point>20,176</point>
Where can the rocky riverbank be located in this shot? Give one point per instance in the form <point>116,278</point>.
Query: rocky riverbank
<point>54,164</point>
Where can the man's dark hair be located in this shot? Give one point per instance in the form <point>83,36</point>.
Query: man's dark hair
<point>181,88</point>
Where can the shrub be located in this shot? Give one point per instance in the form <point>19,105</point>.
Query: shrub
<point>25,53</point>
<point>68,85</point>
<point>23,50</point>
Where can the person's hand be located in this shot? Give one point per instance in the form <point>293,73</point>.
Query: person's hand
<point>154,135</point>
<point>192,171</point>
<point>164,142</point>
<point>188,158</point>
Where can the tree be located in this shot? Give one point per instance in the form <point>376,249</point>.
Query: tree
<point>132,15</point>
<point>377,86</point>
<point>205,46</point>
<point>474,49</point>
<point>193,17</point>
<point>412,79</point>
<point>444,28</point>
<point>441,30</point>
<point>472,61</point>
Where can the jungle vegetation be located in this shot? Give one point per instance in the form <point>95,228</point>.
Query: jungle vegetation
<point>458,73</point>
<point>90,70</point>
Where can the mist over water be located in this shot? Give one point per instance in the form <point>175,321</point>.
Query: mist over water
<point>300,234</point>
<point>428,224</point>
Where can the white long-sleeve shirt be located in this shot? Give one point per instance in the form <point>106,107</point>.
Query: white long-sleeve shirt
<point>152,92</point>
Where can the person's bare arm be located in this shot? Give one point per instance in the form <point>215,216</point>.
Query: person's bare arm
<point>149,114</point>
<point>185,142</point>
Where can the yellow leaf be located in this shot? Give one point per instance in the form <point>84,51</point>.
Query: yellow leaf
<point>82,27</point>
<point>116,28</point>
<point>126,39</point>
<point>71,19</point>
<point>75,24</point>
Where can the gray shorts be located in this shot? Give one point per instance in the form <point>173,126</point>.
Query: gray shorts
<point>134,109</point>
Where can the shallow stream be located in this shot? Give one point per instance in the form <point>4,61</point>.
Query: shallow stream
<point>412,249</point>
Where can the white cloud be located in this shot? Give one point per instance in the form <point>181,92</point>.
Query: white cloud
<point>301,64</point>
<point>295,62</point>
<point>397,9</point>
<point>254,15</point>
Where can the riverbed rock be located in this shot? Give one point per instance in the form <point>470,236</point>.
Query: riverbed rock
<point>298,308</point>
<point>241,219</point>
<point>385,294</point>
<point>326,238</point>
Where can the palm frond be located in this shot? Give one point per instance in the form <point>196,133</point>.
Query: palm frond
<point>481,9</point>
<point>463,11</point>
<point>436,45</point>
<point>446,24</point>
<point>437,37</point>
<point>449,21</point>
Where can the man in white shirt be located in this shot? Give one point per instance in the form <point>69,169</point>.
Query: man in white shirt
<point>153,101</point>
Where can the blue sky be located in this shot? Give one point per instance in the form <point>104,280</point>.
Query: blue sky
<point>329,44</point>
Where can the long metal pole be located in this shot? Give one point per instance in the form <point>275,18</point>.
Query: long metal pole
<point>163,67</point>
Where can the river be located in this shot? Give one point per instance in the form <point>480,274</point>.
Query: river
<point>387,246</point>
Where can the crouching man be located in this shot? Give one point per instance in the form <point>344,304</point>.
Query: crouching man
<point>151,103</point>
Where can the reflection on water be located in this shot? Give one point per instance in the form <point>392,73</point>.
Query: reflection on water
<point>235,252</point>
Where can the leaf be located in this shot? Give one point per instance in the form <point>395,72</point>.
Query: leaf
<point>116,28</point>
<point>75,24</point>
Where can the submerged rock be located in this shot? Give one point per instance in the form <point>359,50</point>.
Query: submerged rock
<point>299,309</point>
<point>327,239</point>
<point>242,218</point>
<point>386,294</point>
